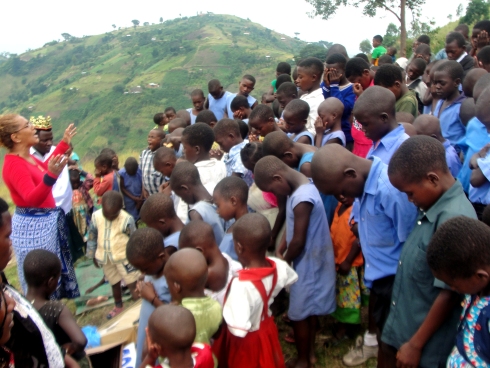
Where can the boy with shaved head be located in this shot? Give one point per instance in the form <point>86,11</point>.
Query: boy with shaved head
<point>385,221</point>
<point>328,125</point>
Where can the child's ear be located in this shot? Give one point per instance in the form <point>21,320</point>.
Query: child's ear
<point>233,200</point>
<point>177,286</point>
<point>457,81</point>
<point>433,178</point>
<point>350,173</point>
<point>483,275</point>
<point>276,177</point>
<point>384,116</point>
<point>288,155</point>
<point>239,248</point>
<point>162,221</point>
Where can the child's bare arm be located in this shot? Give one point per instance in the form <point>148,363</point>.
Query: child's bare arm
<point>320,131</point>
<point>194,215</point>
<point>306,169</point>
<point>126,192</point>
<point>305,140</point>
<point>409,353</point>
<point>101,186</point>
<point>302,214</point>
<point>334,141</point>
<point>71,328</point>
<point>345,266</point>
<point>281,217</point>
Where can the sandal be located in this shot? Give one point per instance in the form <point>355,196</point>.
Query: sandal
<point>114,312</point>
<point>289,337</point>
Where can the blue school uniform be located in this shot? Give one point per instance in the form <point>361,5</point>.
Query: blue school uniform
<point>193,117</point>
<point>302,134</point>
<point>451,126</point>
<point>452,158</point>
<point>161,288</point>
<point>227,246</point>
<point>348,97</point>
<point>481,195</point>
<point>134,185</point>
<point>328,135</point>
<point>387,146</point>
<point>209,215</point>
<point>475,139</point>
<point>314,292</point>
<point>251,100</point>
<point>219,106</point>
<point>233,162</point>
<point>386,218</point>
<point>329,201</point>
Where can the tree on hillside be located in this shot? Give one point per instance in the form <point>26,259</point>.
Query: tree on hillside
<point>114,26</point>
<point>365,46</point>
<point>146,24</point>
<point>66,36</point>
<point>475,11</point>
<point>327,8</point>
<point>312,50</point>
<point>161,19</point>
<point>391,36</point>
<point>135,23</point>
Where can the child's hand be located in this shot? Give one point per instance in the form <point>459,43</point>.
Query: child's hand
<point>334,76</point>
<point>326,78</point>
<point>253,138</point>
<point>408,356</point>
<point>319,125</point>
<point>96,264</point>
<point>146,290</point>
<point>344,268</point>
<point>484,151</point>
<point>163,186</point>
<point>216,153</point>
<point>358,89</point>
<point>282,124</point>
<point>482,40</point>
<point>238,115</point>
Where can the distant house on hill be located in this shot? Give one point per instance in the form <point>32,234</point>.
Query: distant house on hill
<point>136,89</point>
<point>153,85</point>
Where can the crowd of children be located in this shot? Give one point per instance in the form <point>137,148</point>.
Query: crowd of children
<point>353,183</point>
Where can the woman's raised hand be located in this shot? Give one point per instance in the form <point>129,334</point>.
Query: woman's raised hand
<point>56,164</point>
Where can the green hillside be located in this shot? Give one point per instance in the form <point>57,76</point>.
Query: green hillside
<point>90,80</point>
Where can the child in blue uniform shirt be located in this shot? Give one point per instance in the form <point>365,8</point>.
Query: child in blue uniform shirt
<point>295,116</point>
<point>429,125</point>
<point>217,100</point>
<point>148,250</point>
<point>309,249</point>
<point>458,254</point>
<point>447,78</point>
<point>328,125</point>
<point>386,217</point>
<point>132,187</point>
<point>186,183</point>
<point>335,84</point>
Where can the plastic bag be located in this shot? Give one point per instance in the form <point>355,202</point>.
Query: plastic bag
<point>93,337</point>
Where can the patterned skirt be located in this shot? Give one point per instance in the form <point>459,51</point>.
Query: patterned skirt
<point>44,228</point>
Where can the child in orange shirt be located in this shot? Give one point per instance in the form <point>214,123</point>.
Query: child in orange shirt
<point>348,262</point>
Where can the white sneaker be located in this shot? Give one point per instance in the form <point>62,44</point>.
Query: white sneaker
<point>360,353</point>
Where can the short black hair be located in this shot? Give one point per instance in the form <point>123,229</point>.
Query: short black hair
<point>420,64</point>
<point>355,67</point>
<point>267,167</point>
<point>337,59</point>
<point>206,117</point>
<point>184,173</point>
<point>363,56</point>
<point>74,175</point>
<point>177,123</point>
<point>312,63</point>
<point>416,157</point>
<point>284,68</point>
<point>112,200</point>
<point>233,186</point>
<point>214,83</point>
<point>158,117</point>
<point>337,48</point>
<point>456,36</point>
<point>484,55</point>
<point>470,79</point>
<point>170,108</point>
<point>480,85</point>
<point>197,92</point>
<point>39,266</point>
<point>252,151</point>
<point>238,102</point>
<point>387,75</point>
<point>483,25</point>
<point>262,113</point>
<point>144,244</point>
<point>385,59</point>
<point>156,207</point>
<point>378,38</point>
<point>486,215</point>
<point>243,128</point>
<point>225,127</point>
<point>452,67</point>
<point>424,39</point>
<point>288,88</point>
<point>199,134</point>
<point>249,77</point>
<point>298,108</point>
<point>131,162</point>
<point>463,27</point>
<point>459,247</point>
<point>104,159</point>
<point>4,207</point>
<point>253,232</point>
<point>109,151</point>
<point>276,143</point>
<point>283,78</point>
<point>162,154</point>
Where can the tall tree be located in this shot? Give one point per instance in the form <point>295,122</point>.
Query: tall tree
<point>135,23</point>
<point>365,46</point>
<point>476,11</point>
<point>66,36</point>
<point>391,36</point>
<point>327,8</point>
<point>114,26</point>
<point>146,24</point>
<point>161,19</point>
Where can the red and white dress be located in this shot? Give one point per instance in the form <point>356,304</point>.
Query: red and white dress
<point>201,355</point>
<point>249,337</point>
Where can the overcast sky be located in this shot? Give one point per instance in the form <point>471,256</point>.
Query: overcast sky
<point>32,23</point>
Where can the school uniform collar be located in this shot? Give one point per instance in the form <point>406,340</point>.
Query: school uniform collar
<point>463,55</point>
<point>371,185</point>
<point>446,144</point>
<point>433,213</point>
<point>391,138</point>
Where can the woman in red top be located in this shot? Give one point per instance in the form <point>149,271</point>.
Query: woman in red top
<point>37,223</point>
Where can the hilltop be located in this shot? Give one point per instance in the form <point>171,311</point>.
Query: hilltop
<point>112,84</point>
